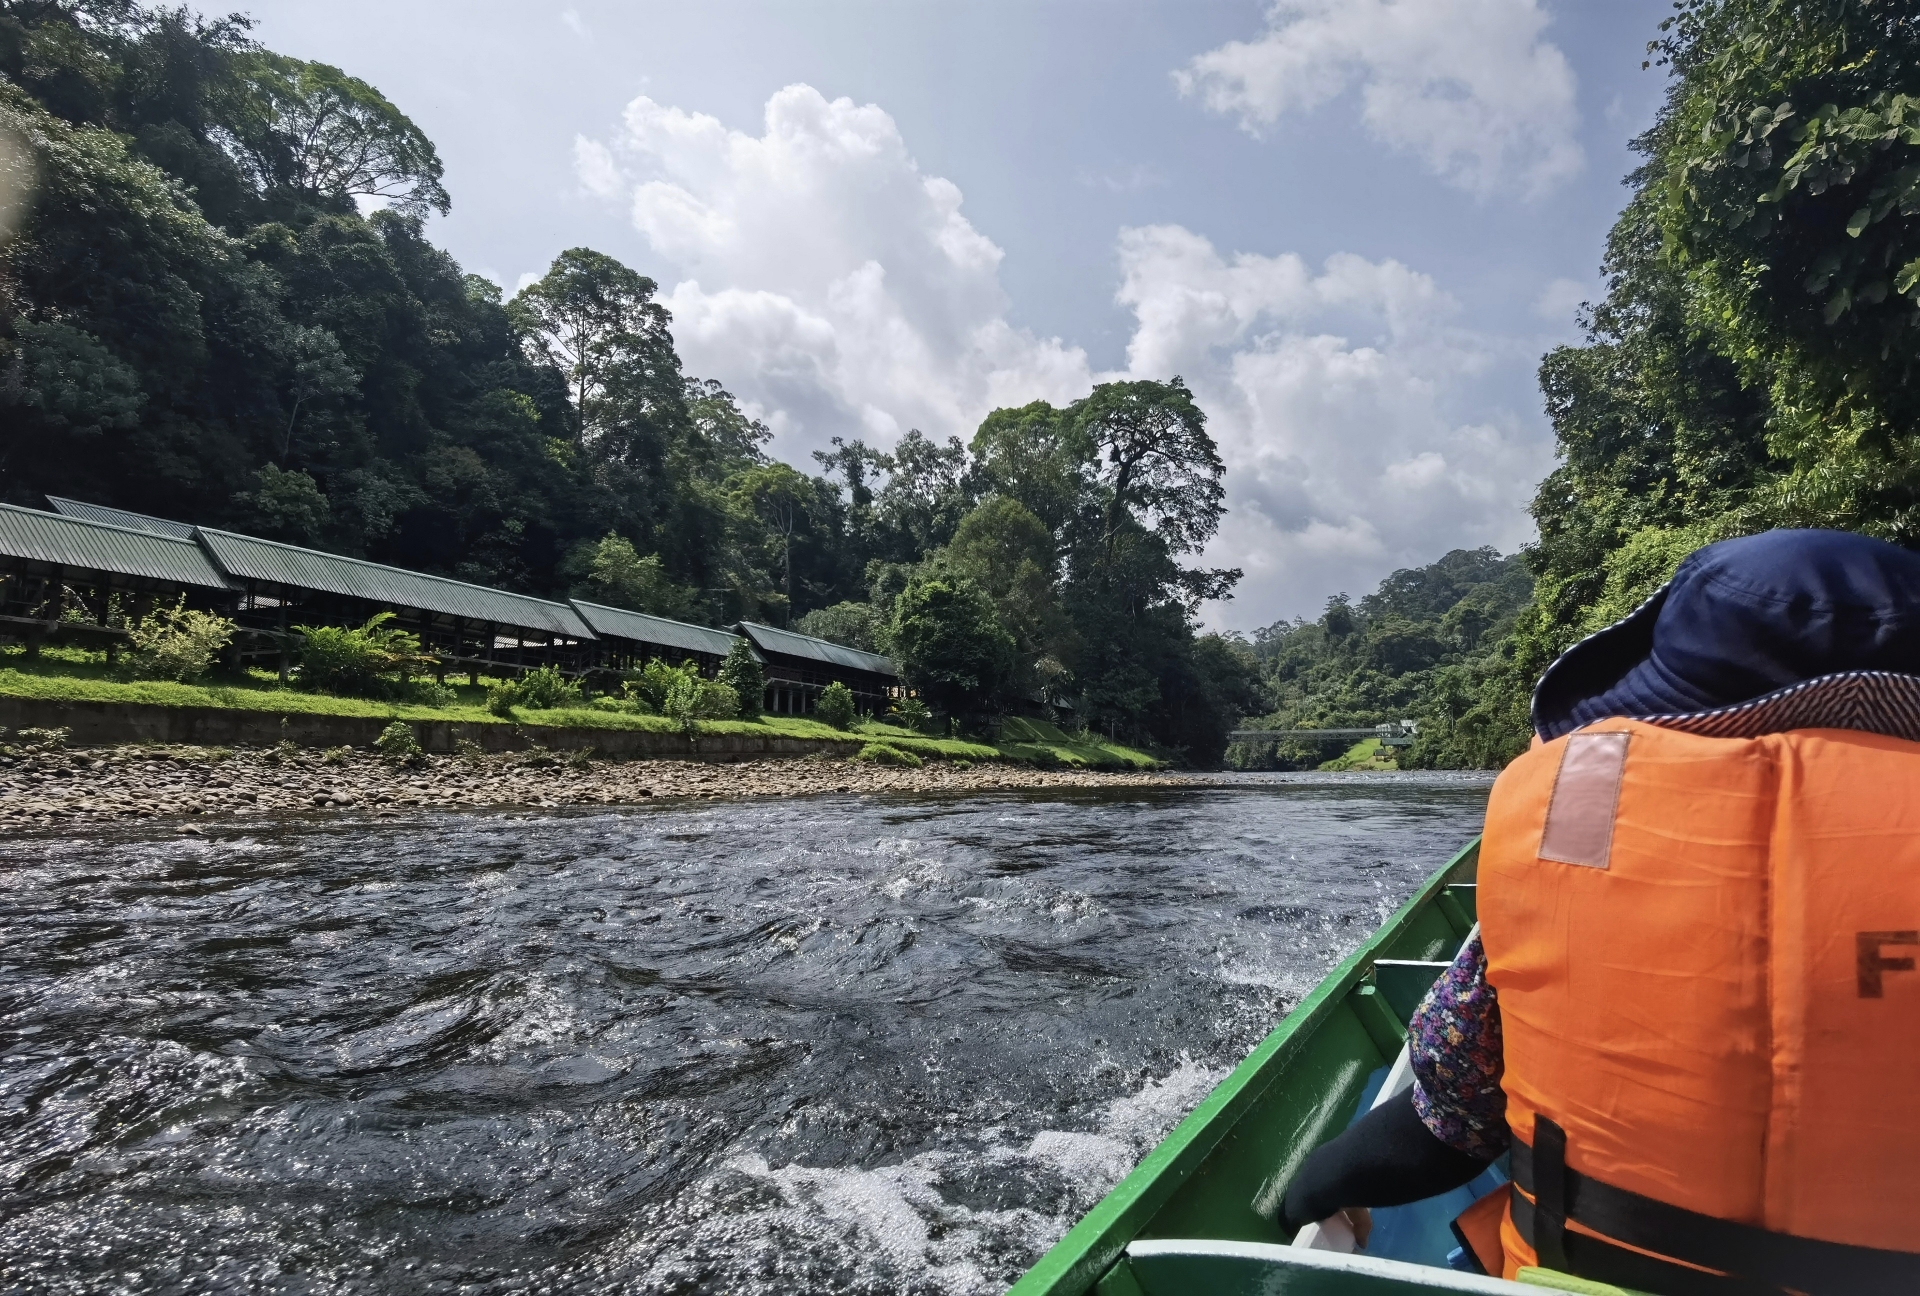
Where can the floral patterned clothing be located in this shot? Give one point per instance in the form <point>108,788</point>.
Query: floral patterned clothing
<point>1454,1045</point>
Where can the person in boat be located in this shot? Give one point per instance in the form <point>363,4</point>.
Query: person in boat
<point>1691,1009</point>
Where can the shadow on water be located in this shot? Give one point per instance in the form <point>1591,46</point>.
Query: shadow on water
<point>841,1044</point>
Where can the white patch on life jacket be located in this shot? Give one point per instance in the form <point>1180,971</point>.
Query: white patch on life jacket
<point>1586,793</point>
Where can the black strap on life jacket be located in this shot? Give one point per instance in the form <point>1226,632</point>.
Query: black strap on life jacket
<point>1749,1259</point>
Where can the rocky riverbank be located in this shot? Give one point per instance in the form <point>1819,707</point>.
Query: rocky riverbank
<point>198,785</point>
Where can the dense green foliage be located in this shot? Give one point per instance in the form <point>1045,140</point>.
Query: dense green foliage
<point>741,672</point>
<point>359,661</point>
<point>836,707</point>
<point>221,305</point>
<point>399,745</point>
<point>175,643</point>
<point>1418,648</point>
<point>1752,364</point>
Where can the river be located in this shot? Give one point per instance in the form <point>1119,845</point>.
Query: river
<point>840,1044</point>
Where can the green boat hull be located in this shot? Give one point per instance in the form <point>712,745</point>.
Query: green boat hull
<point>1185,1221</point>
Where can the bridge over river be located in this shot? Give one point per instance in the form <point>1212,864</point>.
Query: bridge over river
<point>1400,734</point>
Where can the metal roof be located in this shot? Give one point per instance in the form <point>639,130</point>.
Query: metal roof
<point>789,644</point>
<point>120,517</point>
<point>619,623</point>
<point>283,564</point>
<point>93,546</point>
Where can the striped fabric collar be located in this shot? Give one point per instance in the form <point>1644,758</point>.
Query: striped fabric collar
<point>1880,702</point>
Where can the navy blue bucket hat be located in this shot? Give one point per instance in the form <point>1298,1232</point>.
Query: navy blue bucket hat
<point>1745,626</point>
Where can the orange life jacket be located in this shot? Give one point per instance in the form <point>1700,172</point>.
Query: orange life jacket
<point>1707,957</point>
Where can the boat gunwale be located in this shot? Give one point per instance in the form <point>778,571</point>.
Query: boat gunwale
<point>1075,1263</point>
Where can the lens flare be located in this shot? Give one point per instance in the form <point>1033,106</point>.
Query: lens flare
<point>16,180</point>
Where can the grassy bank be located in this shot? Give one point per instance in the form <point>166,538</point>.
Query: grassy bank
<point>71,675</point>
<point>1367,754</point>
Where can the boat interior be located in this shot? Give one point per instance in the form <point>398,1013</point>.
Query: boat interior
<point>1198,1213</point>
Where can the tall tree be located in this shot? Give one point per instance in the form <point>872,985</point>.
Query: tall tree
<point>315,130</point>
<point>597,322</point>
<point>1158,465</point>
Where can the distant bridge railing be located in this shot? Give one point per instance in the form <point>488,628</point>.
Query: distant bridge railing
<point>1390,735</point>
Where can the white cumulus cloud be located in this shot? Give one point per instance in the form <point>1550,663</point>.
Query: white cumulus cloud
<point>830,282</point>
<point>1561,299</point>
<point>841,291</point>
<point>1332,392</point>
<point>1468,86</point>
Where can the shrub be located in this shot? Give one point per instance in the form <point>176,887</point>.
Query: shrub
<point>45,739</point>
<point>719,701</point>
<point>176,643</point>
<point>281,752</point>
<point>501,698</point>
<point>428,693</point>
<point>467,748</point>
<point>692,699</point>
<point>877,753</point>
<point>910,713</point>
<point>336,756</point>
<point>963,764</point>
<point>398,745</point>
<point>546,689</point>
<point>354,662</point>
<point>741,672</point>
<point>835,706</point>
<point>680,694</point>
<point>581,759</point>
<point>650,684</point>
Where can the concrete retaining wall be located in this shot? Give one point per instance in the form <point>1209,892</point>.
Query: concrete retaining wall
<point>105,724</point>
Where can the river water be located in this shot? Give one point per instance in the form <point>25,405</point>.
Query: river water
<point>838,1045</point>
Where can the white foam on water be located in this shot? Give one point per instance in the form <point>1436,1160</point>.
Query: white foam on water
<point>893,1225</point>
<point>882,1229</point>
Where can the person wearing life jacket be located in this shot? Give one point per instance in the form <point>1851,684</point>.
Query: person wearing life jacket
<point>1692,1006</point>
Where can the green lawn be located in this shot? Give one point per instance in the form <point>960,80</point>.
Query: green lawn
<point>1043,743</point>
<point>1367,754</point>
<point>75,675</point>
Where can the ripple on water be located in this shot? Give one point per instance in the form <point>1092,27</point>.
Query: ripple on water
<point>846,1044</point>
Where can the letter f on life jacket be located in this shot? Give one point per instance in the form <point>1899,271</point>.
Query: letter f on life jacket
<point>1871,962</point>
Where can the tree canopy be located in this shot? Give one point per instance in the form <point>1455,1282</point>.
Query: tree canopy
<point>1751,364</point>
<point>219,302</point>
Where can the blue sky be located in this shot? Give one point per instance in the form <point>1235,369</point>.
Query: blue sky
<point>1352,225</point>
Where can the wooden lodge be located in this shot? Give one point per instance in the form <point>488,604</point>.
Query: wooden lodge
<point>64,579</point>
<point>82,571</point>
<point>799,668</point>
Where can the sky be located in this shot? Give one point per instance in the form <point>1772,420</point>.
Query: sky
<point>1352,226</point>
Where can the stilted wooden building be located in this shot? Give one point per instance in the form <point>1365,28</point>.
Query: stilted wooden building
<point>799,668</point>
<point>625,640</point>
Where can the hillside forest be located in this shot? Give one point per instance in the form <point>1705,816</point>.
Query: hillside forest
<point>220,303</point>
<point>1752,365</point>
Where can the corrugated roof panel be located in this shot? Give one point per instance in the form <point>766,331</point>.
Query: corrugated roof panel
<point>786,642</point>
<point>282,564</point>
<point>120,517</point>
<point>93,546</point>
<point>620,623</point>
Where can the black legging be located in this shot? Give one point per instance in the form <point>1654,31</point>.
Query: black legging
<point>1386,1158</point>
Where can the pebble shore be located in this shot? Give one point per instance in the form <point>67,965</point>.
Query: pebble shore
<point>56,788</point>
